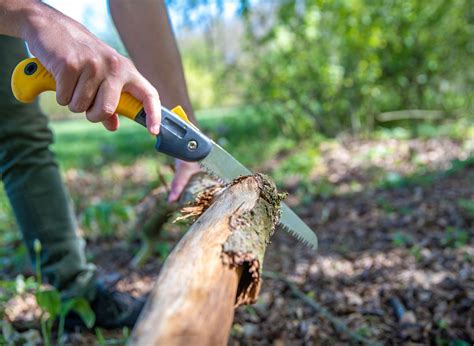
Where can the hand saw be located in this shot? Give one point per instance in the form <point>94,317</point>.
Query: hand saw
<point>178,137</point>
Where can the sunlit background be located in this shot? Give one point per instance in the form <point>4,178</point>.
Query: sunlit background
<point>363,111</point>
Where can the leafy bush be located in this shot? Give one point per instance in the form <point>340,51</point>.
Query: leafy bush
<point>335,65</point>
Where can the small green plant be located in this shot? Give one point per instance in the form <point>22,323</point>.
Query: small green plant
<point>102,341</point>
<point>415,251</point>
<point>442,324</point>
<point>400,239</point>
<point>467,205</point>
<point>52,308</point>
<point>455,237</point>
<point>163,249</point>
<point>385,205</point>
<point>100,337</point>
<point>364,331</point>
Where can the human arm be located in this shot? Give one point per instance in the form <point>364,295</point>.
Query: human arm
<point>145,29</point>
<point>90,75</point>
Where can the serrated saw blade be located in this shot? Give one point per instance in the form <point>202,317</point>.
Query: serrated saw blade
<point>223,166</point>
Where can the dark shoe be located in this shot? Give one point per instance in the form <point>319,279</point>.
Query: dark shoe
<point>113,309</point>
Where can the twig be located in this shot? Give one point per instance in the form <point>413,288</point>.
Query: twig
<point>338,324</point>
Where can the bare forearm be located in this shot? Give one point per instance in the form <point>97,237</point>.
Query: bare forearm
<point>89,75</point>
<point>15,16</point>
<point>145,29</point>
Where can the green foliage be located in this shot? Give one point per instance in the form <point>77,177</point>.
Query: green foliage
<point>103,218</point>
<point>310,189</point>
<point>100,337</point>
<point>52,307</point>
<point>364,331</point>
<point>467,205</point>
<point>298,164</point>
<point>454,342</point>
<point>334,65</point>
<point>455,237</point>
<point>415,251</point>
<point>80,144</point>
<point>400,239</point>
<point>102,341</point>
<point>404,240</point>
<point>385,205</point>
<point>49,301</point>
<point>163,250</point>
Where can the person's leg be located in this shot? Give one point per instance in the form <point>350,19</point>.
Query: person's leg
<point>34,187</point>
<point>42,206</point>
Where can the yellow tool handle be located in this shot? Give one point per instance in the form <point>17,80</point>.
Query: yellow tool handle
<point>30,78</point>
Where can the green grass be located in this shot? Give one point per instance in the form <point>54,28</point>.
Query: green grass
<point>80,144</point>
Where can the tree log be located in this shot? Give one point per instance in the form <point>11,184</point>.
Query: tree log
<point>214,268</point>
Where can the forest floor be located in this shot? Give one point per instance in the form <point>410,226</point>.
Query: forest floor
<point>395,264</point>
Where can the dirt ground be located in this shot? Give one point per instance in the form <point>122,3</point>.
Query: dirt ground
<point>395,260</point>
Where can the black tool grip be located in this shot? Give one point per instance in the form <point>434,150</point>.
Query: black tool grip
<point>179,138</point>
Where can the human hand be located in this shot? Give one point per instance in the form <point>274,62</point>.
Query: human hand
<point>90,75</point>
<point>184,171</point>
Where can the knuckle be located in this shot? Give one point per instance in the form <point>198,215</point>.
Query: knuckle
<point>107,111</point>
<point>114,63</point>
<point>73,108</point>
<point>152,93</point>
<point>70,65</point>
<point>92,117</point>
<point>77,107</point>
<point>61,98</point>
<point>61,61</point>
<point>73,67</point>
<point>94,66</point>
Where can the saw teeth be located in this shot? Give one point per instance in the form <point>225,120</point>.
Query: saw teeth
<point>296,235</point>
<point>213,175</point>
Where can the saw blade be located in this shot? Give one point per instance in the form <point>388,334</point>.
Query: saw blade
<point>223,166</point>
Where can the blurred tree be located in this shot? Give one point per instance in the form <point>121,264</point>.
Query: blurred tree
<point>335,65</point>
<point>208,42</point>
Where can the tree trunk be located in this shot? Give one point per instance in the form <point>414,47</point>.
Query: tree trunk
<point>214,268</point>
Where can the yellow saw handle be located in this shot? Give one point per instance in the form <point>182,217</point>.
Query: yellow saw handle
<point>30,78</point>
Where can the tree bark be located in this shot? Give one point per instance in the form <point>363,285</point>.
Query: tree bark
<point>214,268</point>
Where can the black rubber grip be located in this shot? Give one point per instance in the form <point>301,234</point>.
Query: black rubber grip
<point>178,138</point>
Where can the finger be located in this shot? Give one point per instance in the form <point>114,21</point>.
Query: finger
<point>112,123</point>
<point>177,187</point>
<point>184,171</point>
<point>66,80</point>
<point>105,103</point>
<point>148,96</point>
<point>86,90</point>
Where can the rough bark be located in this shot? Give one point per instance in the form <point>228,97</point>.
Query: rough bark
<point>214,268</point>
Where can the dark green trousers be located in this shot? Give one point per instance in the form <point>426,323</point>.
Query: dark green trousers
<point>34,187</point>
